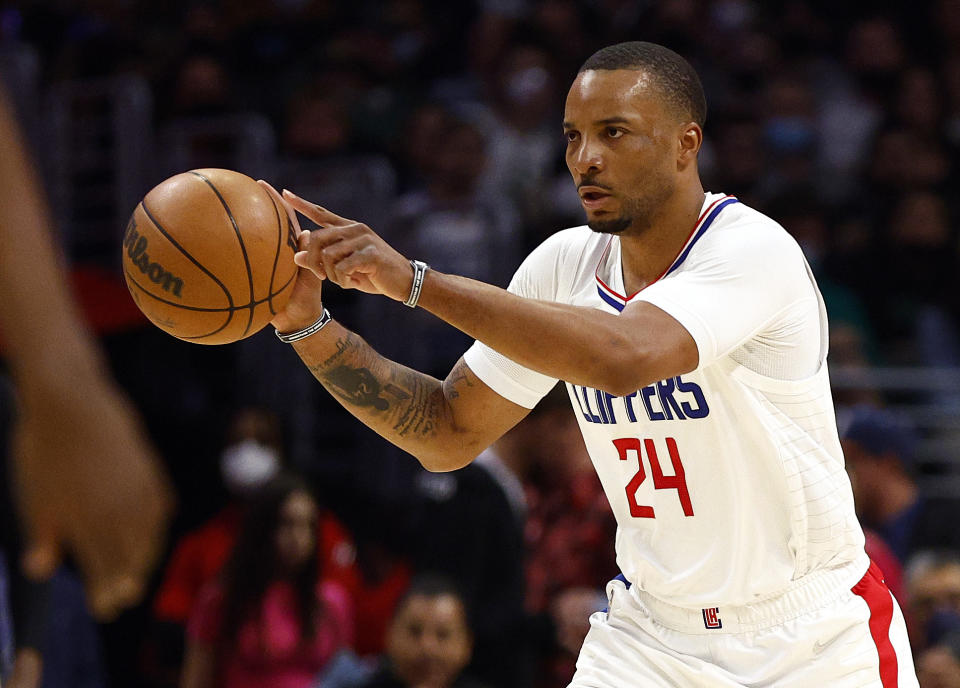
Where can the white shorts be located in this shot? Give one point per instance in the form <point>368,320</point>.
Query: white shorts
<point>824,633</point>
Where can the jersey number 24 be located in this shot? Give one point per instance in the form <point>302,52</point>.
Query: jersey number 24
<point>631,445</point>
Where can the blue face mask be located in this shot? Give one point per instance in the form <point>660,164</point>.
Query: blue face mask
<point>789,134</point>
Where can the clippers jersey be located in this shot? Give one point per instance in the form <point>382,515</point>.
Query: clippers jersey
<point>727,483</point>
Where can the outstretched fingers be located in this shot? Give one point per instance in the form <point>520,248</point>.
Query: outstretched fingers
<point>318,214</point>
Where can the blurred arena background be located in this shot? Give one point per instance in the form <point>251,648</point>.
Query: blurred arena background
<point>438,124</point>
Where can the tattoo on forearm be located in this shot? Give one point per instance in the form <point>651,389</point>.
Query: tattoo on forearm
<point>420,415</point>
<point>342,346</point>
<point>359,386</point>
<point>407,398</point>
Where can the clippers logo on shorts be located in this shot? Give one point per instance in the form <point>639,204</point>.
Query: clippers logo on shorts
<point>710,618</point>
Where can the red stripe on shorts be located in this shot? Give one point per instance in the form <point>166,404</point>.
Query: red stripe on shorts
<point>877,596</point>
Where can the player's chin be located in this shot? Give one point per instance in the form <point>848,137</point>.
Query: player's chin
<point>607,223</point>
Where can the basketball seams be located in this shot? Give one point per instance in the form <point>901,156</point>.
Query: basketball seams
<point>276,256</point>
<point>200,309</point>
<point>270,296</point>
<point>172,243</point>
<point>243,247</point>
<point>230,310</point>
<point>169,237</point>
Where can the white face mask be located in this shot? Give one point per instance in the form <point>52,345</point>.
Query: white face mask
<point>247,465</point>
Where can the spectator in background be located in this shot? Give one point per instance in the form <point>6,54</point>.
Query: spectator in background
<point>939,666</point>
<point>856,99</point>
<point>201,86</point>
<point>415,147</point>
<point>879,449</point>
<point>520,129</point>
<point>933,587</point>
<point>921,251</point>
<point>429,641</point>
<point>543,469</point>
<point>464,229</point>
<point>738,143</point>
<point>789,135</point>
<point>464,528</point>
<point>270,619</point>
<point>252,455</point>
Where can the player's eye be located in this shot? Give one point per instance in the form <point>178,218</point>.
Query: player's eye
<point>571,136</point>
<point>614,132</point>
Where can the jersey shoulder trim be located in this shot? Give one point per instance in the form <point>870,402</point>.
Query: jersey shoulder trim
<point>703,223</point>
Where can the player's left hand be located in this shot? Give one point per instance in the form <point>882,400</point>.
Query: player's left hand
<point>351,254</point>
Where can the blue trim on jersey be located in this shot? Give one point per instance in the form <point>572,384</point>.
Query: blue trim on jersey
<point>703,228</point>
<point>609,299</point>
<point>623,579</point>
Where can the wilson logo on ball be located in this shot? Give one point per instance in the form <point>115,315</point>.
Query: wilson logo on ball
<point>136,246</point>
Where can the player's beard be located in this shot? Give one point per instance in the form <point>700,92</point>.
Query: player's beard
<point>638,213</point>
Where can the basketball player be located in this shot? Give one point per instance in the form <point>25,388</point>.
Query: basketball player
<point>692,339</point>
<point>88,481</point>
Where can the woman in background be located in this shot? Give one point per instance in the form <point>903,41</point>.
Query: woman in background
<point>270,620</point>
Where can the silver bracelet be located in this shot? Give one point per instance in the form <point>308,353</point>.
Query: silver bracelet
<point>419,271</point>
<point>291,337</point>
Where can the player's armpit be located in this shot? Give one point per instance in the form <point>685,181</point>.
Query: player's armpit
<point>663,347</point>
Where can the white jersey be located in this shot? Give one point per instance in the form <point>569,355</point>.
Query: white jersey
<point>727,483</point>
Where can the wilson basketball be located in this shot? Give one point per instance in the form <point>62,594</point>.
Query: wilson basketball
<point>208,256</point>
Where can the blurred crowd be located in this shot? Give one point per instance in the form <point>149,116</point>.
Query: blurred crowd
<point>308,552</point>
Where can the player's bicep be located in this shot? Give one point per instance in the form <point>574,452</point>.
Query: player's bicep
<point>665,348</point>
<point>480,415</point>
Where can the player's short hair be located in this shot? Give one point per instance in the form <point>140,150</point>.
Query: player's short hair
<point>674,76</point>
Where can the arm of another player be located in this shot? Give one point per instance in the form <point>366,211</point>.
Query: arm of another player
<point>585,346</point>
<point>87,479</point>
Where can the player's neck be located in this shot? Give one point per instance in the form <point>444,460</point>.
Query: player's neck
<point>645,256</point>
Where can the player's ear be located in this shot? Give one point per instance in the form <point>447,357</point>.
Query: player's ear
<point>688,144</point>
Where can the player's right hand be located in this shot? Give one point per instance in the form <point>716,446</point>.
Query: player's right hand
<point>306,304</point>
<point>351,254</point>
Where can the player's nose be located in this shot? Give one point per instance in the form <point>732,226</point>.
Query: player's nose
<point>587,159</point>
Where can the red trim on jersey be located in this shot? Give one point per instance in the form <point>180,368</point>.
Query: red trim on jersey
<point>686,241</point>
<point>875,593</point>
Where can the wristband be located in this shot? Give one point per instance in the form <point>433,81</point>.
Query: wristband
<point>291,337</point>
<point>419,271</point>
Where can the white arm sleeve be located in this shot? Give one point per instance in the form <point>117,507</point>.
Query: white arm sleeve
<point>748,286</point>
<point>538,277</point>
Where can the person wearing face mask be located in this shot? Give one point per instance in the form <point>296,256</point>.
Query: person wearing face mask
<point>251,457</point>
